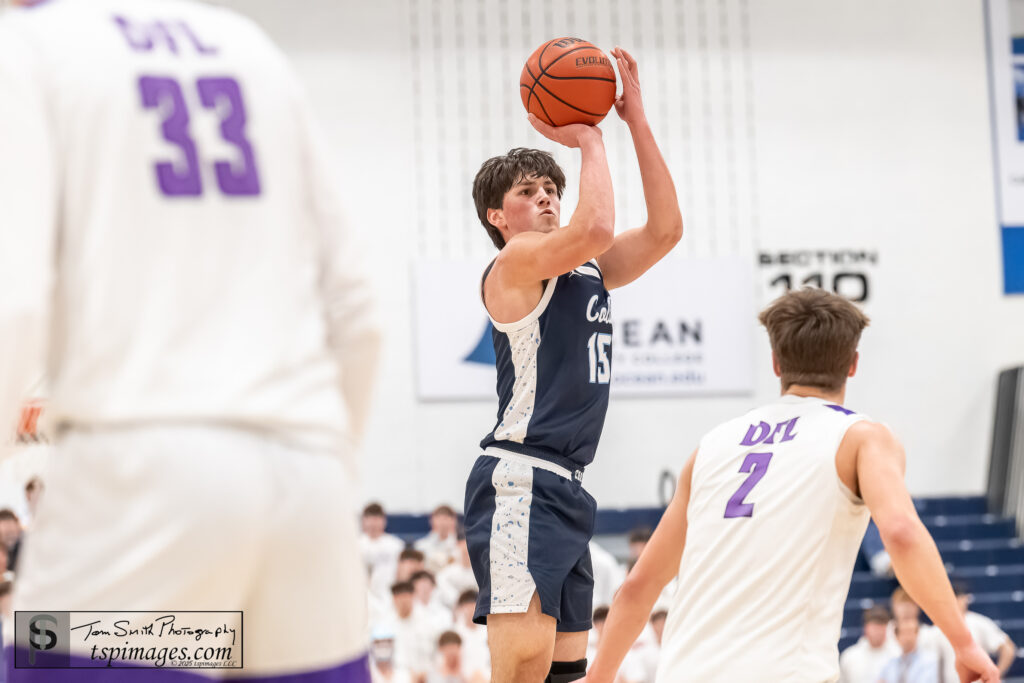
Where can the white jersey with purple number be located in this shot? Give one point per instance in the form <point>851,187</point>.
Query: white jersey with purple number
<point>167,222</point>
<point>772,536</point>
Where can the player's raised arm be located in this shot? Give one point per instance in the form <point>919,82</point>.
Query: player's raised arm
<point>633,602</point>
<point>28,200</point>
<point>636,250</point>
<point>532,255</point>
<point>880,466</point>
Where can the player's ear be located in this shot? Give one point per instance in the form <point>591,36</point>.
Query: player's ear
<point>853,365</point>
<point>496,217</point>
<point>775,365</point>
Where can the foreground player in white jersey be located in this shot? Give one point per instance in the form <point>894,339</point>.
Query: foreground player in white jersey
<point>171,248</point>
<point>767,520</point>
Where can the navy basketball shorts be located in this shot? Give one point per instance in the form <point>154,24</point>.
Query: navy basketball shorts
<point>528,529</point>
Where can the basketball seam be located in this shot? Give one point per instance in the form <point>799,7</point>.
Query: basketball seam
<point>588,113</point>
<point>544,109</point>
<point>550,122</point>
<point>530,96</point>
<point>536,80</point>
<point>544,72</point>
<point>580,78</point>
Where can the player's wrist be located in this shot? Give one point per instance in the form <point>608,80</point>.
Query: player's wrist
<point>960,638</point>
<point>589,135</point>
<point>638,122</point>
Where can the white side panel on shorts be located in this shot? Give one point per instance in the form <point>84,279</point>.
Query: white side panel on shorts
<point>512,586</point>
<point>524,345</point>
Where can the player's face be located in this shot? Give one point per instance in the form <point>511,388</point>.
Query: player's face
<point>531,205</point>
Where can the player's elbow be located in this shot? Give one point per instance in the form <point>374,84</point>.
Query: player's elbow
<point>599,236</point>
<point>677,228</point>
<point>900,533</point>
<point>673,232</point>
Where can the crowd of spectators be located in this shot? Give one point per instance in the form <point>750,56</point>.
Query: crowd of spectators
<point>897,648</point>
<point>422,596</point>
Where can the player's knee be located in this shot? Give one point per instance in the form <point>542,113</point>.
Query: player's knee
<point>564,672</point>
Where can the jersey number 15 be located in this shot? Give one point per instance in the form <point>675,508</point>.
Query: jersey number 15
<point>597,353</point>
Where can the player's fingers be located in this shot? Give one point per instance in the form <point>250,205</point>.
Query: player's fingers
<point>629,59</point>
<point>627,77</point>
<point>630,62</point>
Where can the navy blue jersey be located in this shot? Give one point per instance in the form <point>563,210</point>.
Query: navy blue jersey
<point>554,367</point>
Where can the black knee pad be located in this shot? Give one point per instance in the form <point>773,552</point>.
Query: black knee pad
<point>564,672</point>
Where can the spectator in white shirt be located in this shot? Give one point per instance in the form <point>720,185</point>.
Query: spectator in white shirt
<point>608,574</point>
<point>863,661</point>
<point>382,658</point>
<point>475,652</point>
<point>913,665</point>
<point>410,561</point>
<point>986,632</point>
<point>379,549</point>
<point>929,639</point>
<point>425,599</point>
<point>438,547</point>
<point>451,668</point>
<point>414,634</point>
<point>456,578</point>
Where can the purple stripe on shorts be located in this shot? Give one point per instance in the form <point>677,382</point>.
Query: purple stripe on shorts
<point>355,671</point>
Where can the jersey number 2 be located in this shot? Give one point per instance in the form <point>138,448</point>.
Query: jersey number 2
<point>757,465</point>
<point>222,95</point>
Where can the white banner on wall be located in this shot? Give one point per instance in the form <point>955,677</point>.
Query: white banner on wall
<point>1006,79</point>
<point>683,329</point>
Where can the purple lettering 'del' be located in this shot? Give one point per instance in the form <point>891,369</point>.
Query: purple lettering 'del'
<point>756,434</point>
<point>787,435</point>
<point>196,43</point>
<point>138,38</point>
<point>757,465</point>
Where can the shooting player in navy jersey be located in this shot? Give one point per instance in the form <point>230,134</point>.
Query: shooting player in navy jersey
<point>528,519</point>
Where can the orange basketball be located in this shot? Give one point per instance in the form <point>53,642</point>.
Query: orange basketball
<point>568,80</point>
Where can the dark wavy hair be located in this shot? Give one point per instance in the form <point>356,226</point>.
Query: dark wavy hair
<point>499,174</point>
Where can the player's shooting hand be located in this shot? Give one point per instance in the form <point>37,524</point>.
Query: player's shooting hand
<point>972,664</point>
<point>629,105</point>
<point>572,135</point>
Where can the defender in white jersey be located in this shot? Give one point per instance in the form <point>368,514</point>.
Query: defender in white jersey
<point>767,519</point>
<point>171,251</point>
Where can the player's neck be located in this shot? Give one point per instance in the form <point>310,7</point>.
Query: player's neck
<point>836,397</point>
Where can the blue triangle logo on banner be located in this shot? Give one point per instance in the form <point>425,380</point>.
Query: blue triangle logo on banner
<point>483,352</point>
